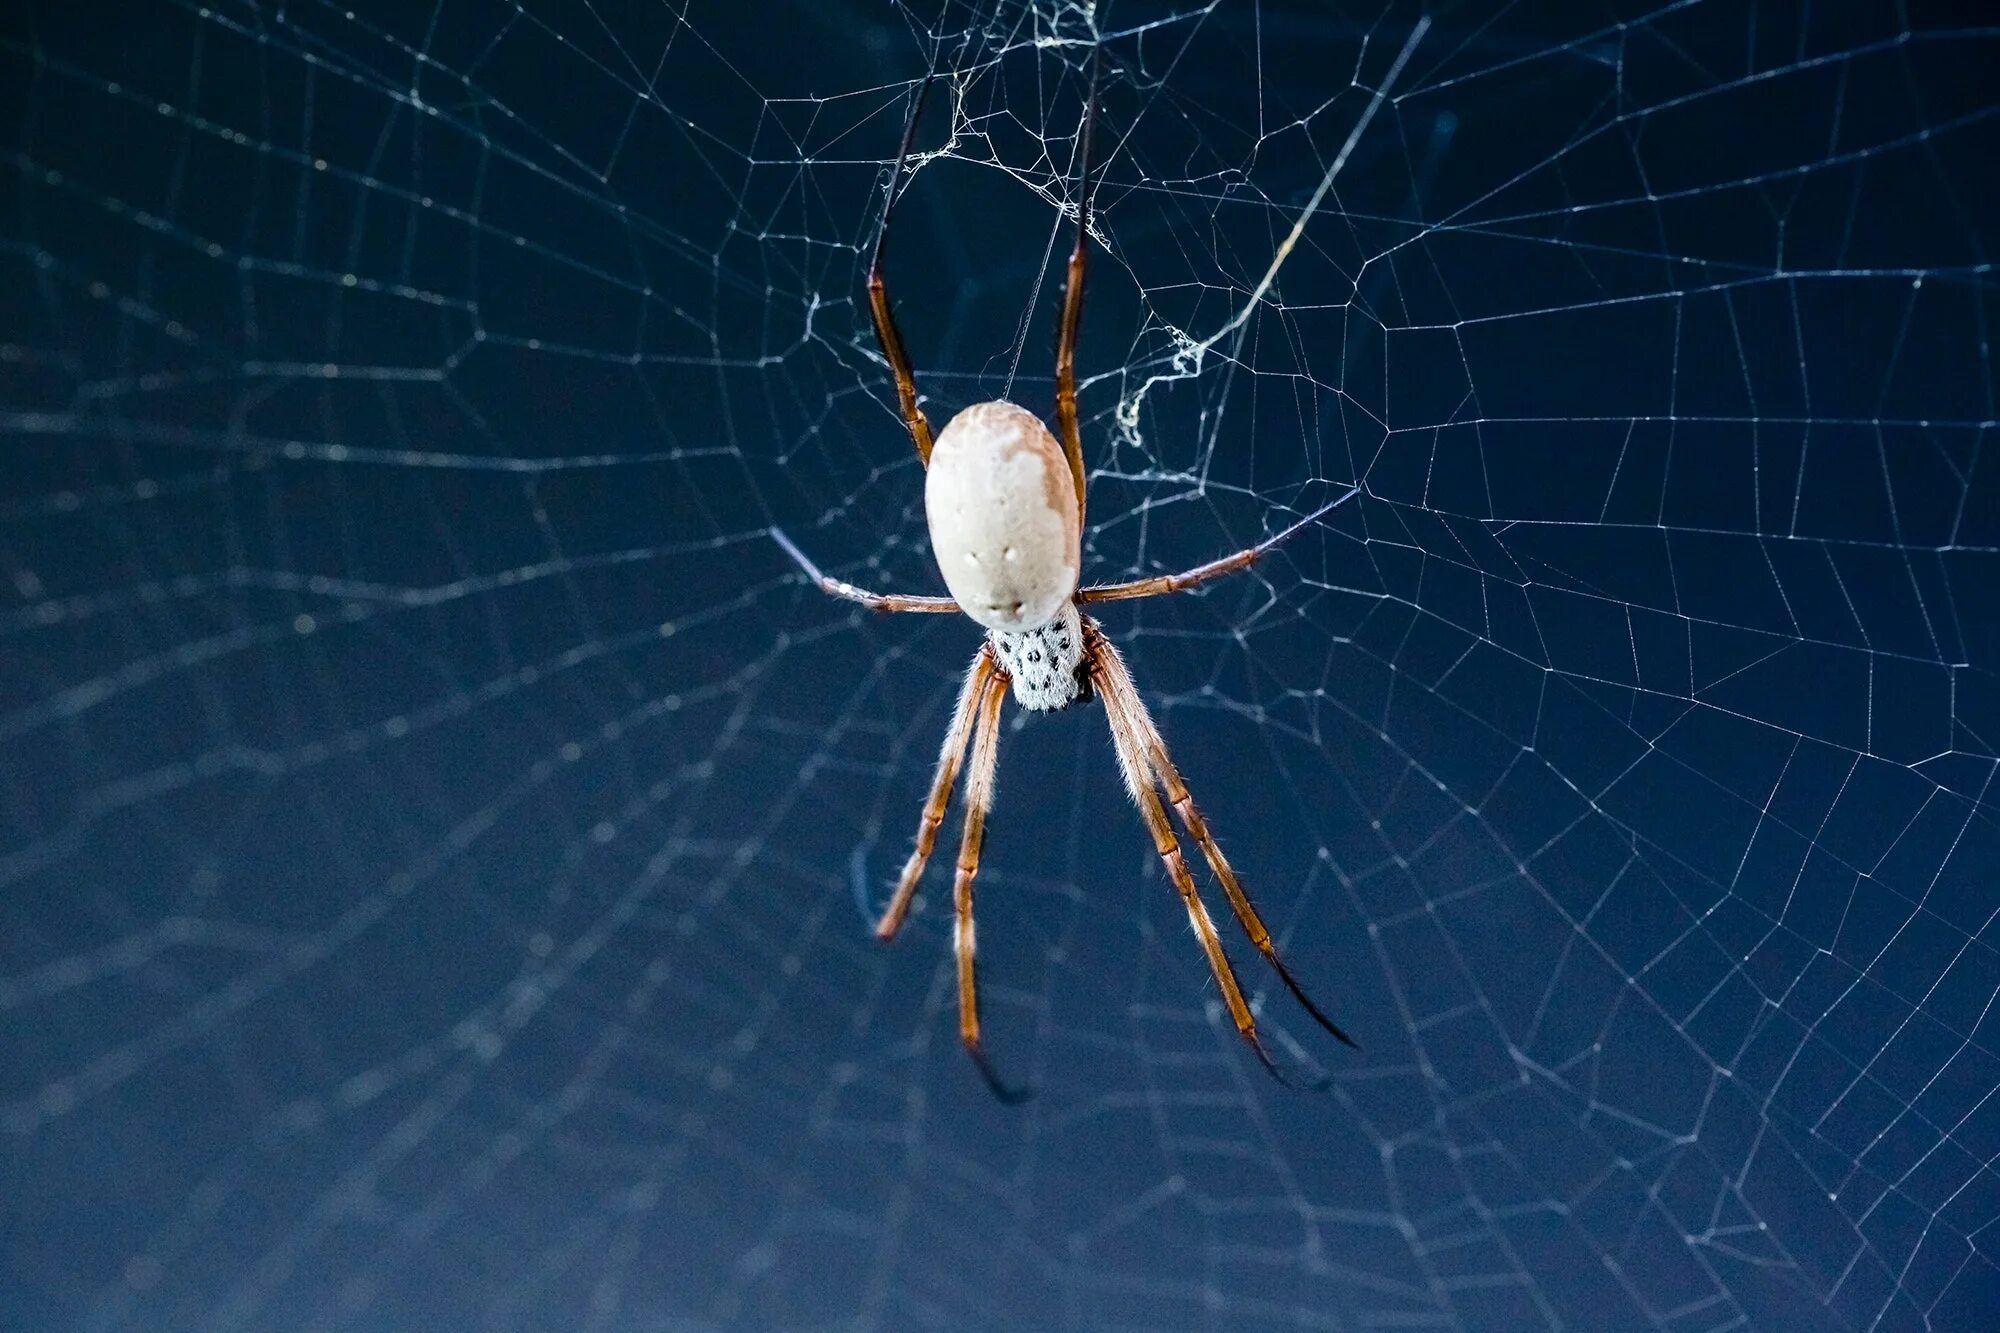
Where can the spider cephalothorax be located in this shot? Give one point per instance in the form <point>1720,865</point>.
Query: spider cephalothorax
<point>1047,663</point>
<point>1004,501</point>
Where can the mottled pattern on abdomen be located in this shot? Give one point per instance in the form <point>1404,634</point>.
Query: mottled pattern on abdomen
<point>1046,662</point>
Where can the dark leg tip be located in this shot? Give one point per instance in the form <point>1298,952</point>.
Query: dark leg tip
<point>1006,1094</point>
<point>1306,1003</point>
<point>1264,1058</point>
<point>1317,1083</point>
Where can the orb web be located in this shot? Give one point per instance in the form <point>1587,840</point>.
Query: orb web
<point>441,831</point>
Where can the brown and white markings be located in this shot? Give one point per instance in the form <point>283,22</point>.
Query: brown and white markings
<point>1005,505</point>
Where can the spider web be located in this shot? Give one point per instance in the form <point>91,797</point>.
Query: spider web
<point>440,830</point>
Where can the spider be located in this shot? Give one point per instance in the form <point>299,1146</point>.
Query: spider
<point>1005,505</point>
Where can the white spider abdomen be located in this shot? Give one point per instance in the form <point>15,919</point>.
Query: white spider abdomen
<point>1046,662</point>
<point>1003,517</point>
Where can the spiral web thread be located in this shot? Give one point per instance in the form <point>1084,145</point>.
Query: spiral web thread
<point>440,828</point>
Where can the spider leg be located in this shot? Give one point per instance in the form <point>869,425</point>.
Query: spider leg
<point>978,680</point>
<point>1133,707</point>
<point>1132,762</point>
<point>886,333</point>
<point>874,601</point>
<point>1200,574</point>
<point>978,800</point>
<point>1072,315</point>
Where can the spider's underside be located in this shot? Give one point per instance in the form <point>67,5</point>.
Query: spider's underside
<point>1005,505</point>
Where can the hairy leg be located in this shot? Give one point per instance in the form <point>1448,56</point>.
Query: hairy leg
<point>1132,762</point>
<point>1133,708</point>
<point>978,800</point>
<point>971,698</point>
<point>887,334</point>
<point>1072,315</point>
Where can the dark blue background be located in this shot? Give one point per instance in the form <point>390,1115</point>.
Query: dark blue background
<point>438,831</point>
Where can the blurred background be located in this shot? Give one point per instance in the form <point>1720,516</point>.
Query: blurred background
<point>439,831</point>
